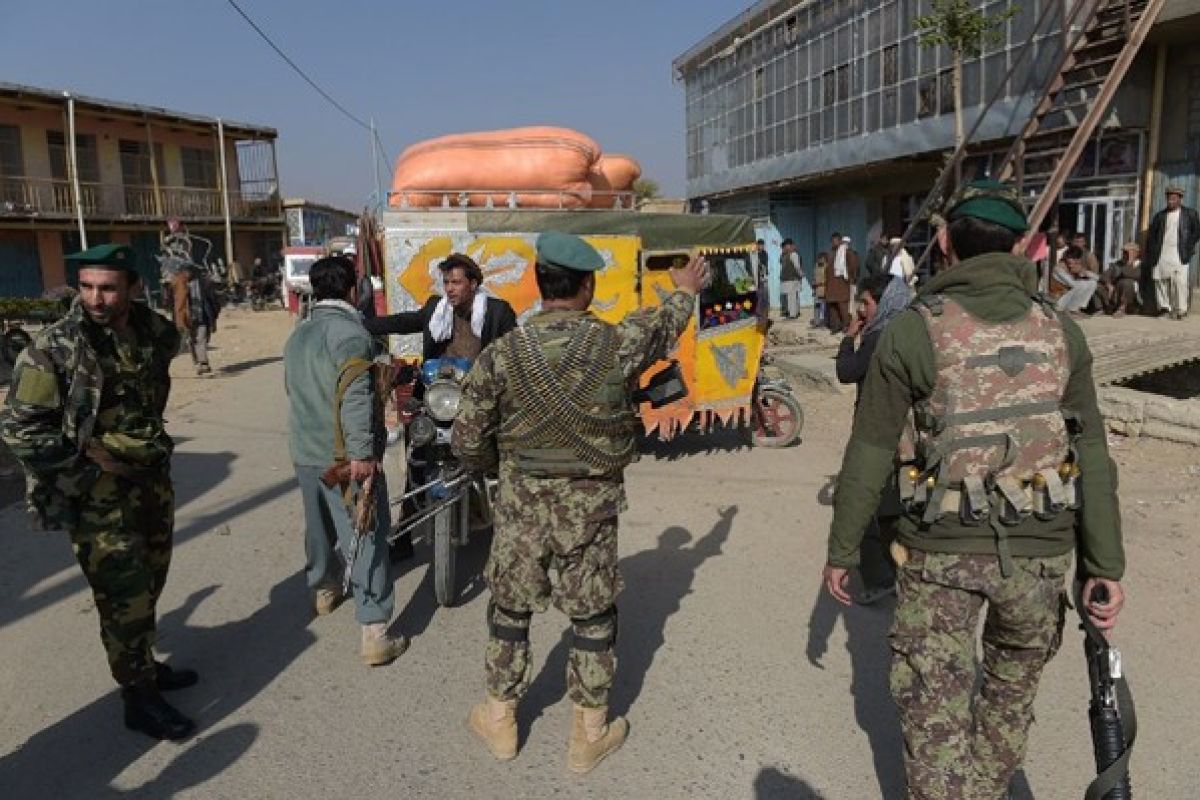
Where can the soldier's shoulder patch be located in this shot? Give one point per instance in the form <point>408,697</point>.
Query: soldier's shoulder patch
<point>36,387</point>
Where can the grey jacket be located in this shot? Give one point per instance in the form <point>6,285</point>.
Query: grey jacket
<point>312,360</point>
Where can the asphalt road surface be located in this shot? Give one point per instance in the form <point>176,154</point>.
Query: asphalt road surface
<point>739,678</point>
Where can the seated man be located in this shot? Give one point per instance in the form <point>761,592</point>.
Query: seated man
<point>1079,283</point>
<point>458,325</point>
<point>1119,283</point>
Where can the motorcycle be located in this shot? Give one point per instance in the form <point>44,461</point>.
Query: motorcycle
<point>439,494</point>
<point>266,290</point>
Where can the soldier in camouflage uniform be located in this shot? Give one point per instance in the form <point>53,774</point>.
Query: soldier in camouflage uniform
<point>1008,442</point>
<point>85,418</point>
<point>549,405</point>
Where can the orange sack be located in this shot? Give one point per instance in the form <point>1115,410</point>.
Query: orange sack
<point>534,160</point>
<point>612,174</point>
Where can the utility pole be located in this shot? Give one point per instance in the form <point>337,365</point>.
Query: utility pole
<point>379,198</point>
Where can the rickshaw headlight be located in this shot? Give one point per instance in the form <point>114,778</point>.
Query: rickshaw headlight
<point>442,399</point>
<point>421,431</point>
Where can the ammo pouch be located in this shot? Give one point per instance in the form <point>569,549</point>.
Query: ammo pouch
<point>666,387</point>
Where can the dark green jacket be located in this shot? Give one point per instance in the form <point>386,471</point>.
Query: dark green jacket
<point>997,288</point>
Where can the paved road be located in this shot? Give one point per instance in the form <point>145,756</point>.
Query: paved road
<point>740,680</point>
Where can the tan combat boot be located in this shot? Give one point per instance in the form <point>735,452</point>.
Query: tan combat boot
<point>378,648</point>
<point>327,599</point>
<point>592,738</point>
<point>495,721</point>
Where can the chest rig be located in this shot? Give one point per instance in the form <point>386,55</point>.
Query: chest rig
<point>992,443</point>
<point>573,416</point>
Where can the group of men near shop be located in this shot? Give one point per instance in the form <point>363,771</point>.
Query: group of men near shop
<point>991,478</point>
<point>1160,283</point>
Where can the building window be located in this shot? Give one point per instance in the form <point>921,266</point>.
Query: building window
<point>927,97</point>
<point>828,89</point>
<point>946,80</point>
<point>199,167</point>
<point>11,163</point>
<point>135,162</point>
<point>760,82</point>
<point>87,161</point>
<point>891,63</point>
<point>843,83</point>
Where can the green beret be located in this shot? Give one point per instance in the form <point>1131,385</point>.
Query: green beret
<point>107,256</point>
<point>564,250</point>
<point>991,201</point>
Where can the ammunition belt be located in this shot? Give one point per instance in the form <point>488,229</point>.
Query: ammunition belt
<point>1045,494</point>
<point>553,400</point>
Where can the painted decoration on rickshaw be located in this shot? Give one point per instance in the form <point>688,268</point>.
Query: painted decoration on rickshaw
<point>719,352</point>
<point>507,262</point>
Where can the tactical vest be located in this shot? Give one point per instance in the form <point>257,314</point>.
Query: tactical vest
<point>991,442</point>
<point>573,415</point>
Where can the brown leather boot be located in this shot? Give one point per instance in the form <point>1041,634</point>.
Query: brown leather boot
<point>378,648</point>
<point>495,721</point>
<point>592,738</point>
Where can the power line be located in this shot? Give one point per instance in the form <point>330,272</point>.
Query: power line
<point>299,71</point>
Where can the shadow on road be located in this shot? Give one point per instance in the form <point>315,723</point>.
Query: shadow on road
<point>245,366</point>
<point>81,755</point>
<point>414,619</point>
<point>656,581</point>
<point>720,440</point>
<point>32,558</point>
<point>870,656</point>
<point>772,784</point>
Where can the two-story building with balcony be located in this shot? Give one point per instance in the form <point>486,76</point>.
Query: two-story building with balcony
<point>821,116</point>
<point>78,170</point>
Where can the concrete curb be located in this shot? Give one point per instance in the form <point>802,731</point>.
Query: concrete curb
<point>1134,414</point>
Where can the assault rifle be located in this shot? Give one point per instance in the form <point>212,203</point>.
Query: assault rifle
<point>1110,712</point>
<point>362,512</point>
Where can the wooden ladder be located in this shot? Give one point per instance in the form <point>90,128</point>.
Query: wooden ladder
<point>1096,57</point>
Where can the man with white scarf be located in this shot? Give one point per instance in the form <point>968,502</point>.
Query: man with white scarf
<point>457,325</point>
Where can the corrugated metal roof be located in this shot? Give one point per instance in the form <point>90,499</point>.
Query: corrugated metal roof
<point>17,91</point>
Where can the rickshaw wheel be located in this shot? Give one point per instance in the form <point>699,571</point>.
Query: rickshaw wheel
<point>777,420</point>
<point>444,571</point>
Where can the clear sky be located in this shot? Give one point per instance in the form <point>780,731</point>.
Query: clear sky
<point>420,68</point>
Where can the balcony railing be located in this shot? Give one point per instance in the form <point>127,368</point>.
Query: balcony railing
<point>48,197</point>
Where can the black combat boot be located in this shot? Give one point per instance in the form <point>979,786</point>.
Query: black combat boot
<point>148,712</point>
<point>168,679</point>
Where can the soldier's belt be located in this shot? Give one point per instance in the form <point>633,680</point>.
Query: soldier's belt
<point>1043,495</point>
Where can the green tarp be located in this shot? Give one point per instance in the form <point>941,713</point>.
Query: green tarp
<point>657,231</point>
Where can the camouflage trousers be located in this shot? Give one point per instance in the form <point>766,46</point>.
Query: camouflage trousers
<point>583,560</point>
<point>961,743</point>
<point>123,543</point>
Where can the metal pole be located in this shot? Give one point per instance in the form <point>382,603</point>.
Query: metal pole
<point>158,197</point>
<point>1156,109</point>
<point>74,168</point>
<point>225,201</point>
<point>375,164</point>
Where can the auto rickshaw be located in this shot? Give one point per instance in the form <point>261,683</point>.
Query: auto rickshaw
<point>720,355</point>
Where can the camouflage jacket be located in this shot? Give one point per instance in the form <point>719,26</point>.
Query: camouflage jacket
<point>645,337</point>
<point>54,402</point>
<point>993,288</point>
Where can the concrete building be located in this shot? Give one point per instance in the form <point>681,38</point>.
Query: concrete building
<point>313,224</point>
<point>133,168</point>
<point>814,117</point>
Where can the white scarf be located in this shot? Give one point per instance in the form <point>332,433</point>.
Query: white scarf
<point>441,324</point>
<point>839,263</point>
